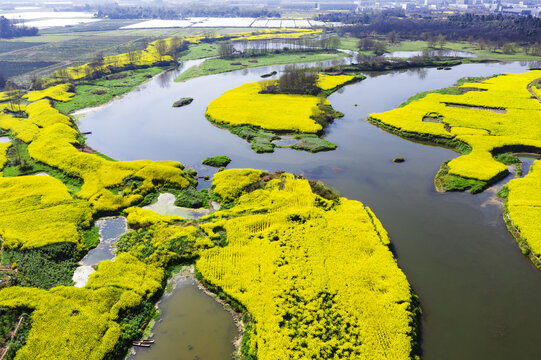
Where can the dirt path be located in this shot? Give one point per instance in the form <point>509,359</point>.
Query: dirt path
<point>13,333</point>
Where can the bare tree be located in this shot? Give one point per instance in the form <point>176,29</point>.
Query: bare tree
<point>226,50</point>
<point>441,41</point>
<point>133,57</point>
<point>161,47</point>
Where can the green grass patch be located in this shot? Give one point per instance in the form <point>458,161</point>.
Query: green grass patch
<point>508,159</point>
<point>312,143</point>
<point>92,237</point>
<point>46,267</point>
<point>191,198</point>
<point>217,161</point>
<point>200,51</point>
<point>217,66</point>
<point>486,53</point>
<point>96,92</point>
<point>448,182</point>
<point>349,43</point>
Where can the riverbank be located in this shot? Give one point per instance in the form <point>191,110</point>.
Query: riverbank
<point>95,92</point>
<point>481,52</point>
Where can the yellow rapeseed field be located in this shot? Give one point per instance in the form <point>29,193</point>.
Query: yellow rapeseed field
<point>83,323</point>
<point>328,82</point>
<point>51,139</point>
<point>3,150</point>
<point>244,105</point>
<point>502,113</point>
<point>524,206</point>
<point>317,276</point>
<point>38,210</point>
<point>59,92</point>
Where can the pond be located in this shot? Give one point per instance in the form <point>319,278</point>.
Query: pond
<point>192,325</point>
<point>480,296</point>
<point>110,231</point>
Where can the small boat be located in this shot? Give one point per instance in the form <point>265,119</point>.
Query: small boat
<point>140,343</point>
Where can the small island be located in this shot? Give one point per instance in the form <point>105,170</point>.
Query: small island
<point>293,108</point>
<point>183,102</point>
<point>217,161</point>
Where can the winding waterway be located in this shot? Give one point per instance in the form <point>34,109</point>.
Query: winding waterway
<point>480,296</point>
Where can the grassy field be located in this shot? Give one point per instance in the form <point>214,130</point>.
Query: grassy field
<point>100,91</point>
<point>7,46</point>
<point>217,66</point>
<point>349,43</point>
<point>14,68</point>
<point>201,51</point>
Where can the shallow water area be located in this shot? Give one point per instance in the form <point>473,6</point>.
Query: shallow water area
<point>285,141</point>
<point>110,231</point>
<point>165,205</point>
<point>192,325</point>
<point>527,161</point>
<point>480,296</point>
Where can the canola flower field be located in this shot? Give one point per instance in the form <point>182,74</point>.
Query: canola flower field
<point>524,208</point>
<point>316,275</point>
<point>495,114</point>
<point>369,312</point>
<point>500,114</point>
<point>245,105</point>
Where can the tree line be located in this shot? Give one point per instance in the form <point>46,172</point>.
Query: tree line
<point>171,12</point>
<point>9,29</point>
<point>463,27</point>
<point>364,18</point>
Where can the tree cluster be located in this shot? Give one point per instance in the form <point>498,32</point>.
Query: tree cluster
<point>294,81</point>
<point>364,18</point>
<point>171,12</point>
<point>496,28</point>
<point>9,30</point>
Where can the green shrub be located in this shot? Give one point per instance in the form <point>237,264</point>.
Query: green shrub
<point>191,198</point>
<point>217,161</point>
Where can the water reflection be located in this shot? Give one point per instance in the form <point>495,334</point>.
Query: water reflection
<point>434,53</point>
<point>192,325</point>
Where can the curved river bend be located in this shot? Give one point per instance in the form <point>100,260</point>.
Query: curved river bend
<point>480,296</point>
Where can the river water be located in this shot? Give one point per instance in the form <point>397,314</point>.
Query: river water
<point>480,296</point>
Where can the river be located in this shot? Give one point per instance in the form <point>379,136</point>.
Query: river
<point>480,296</point>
